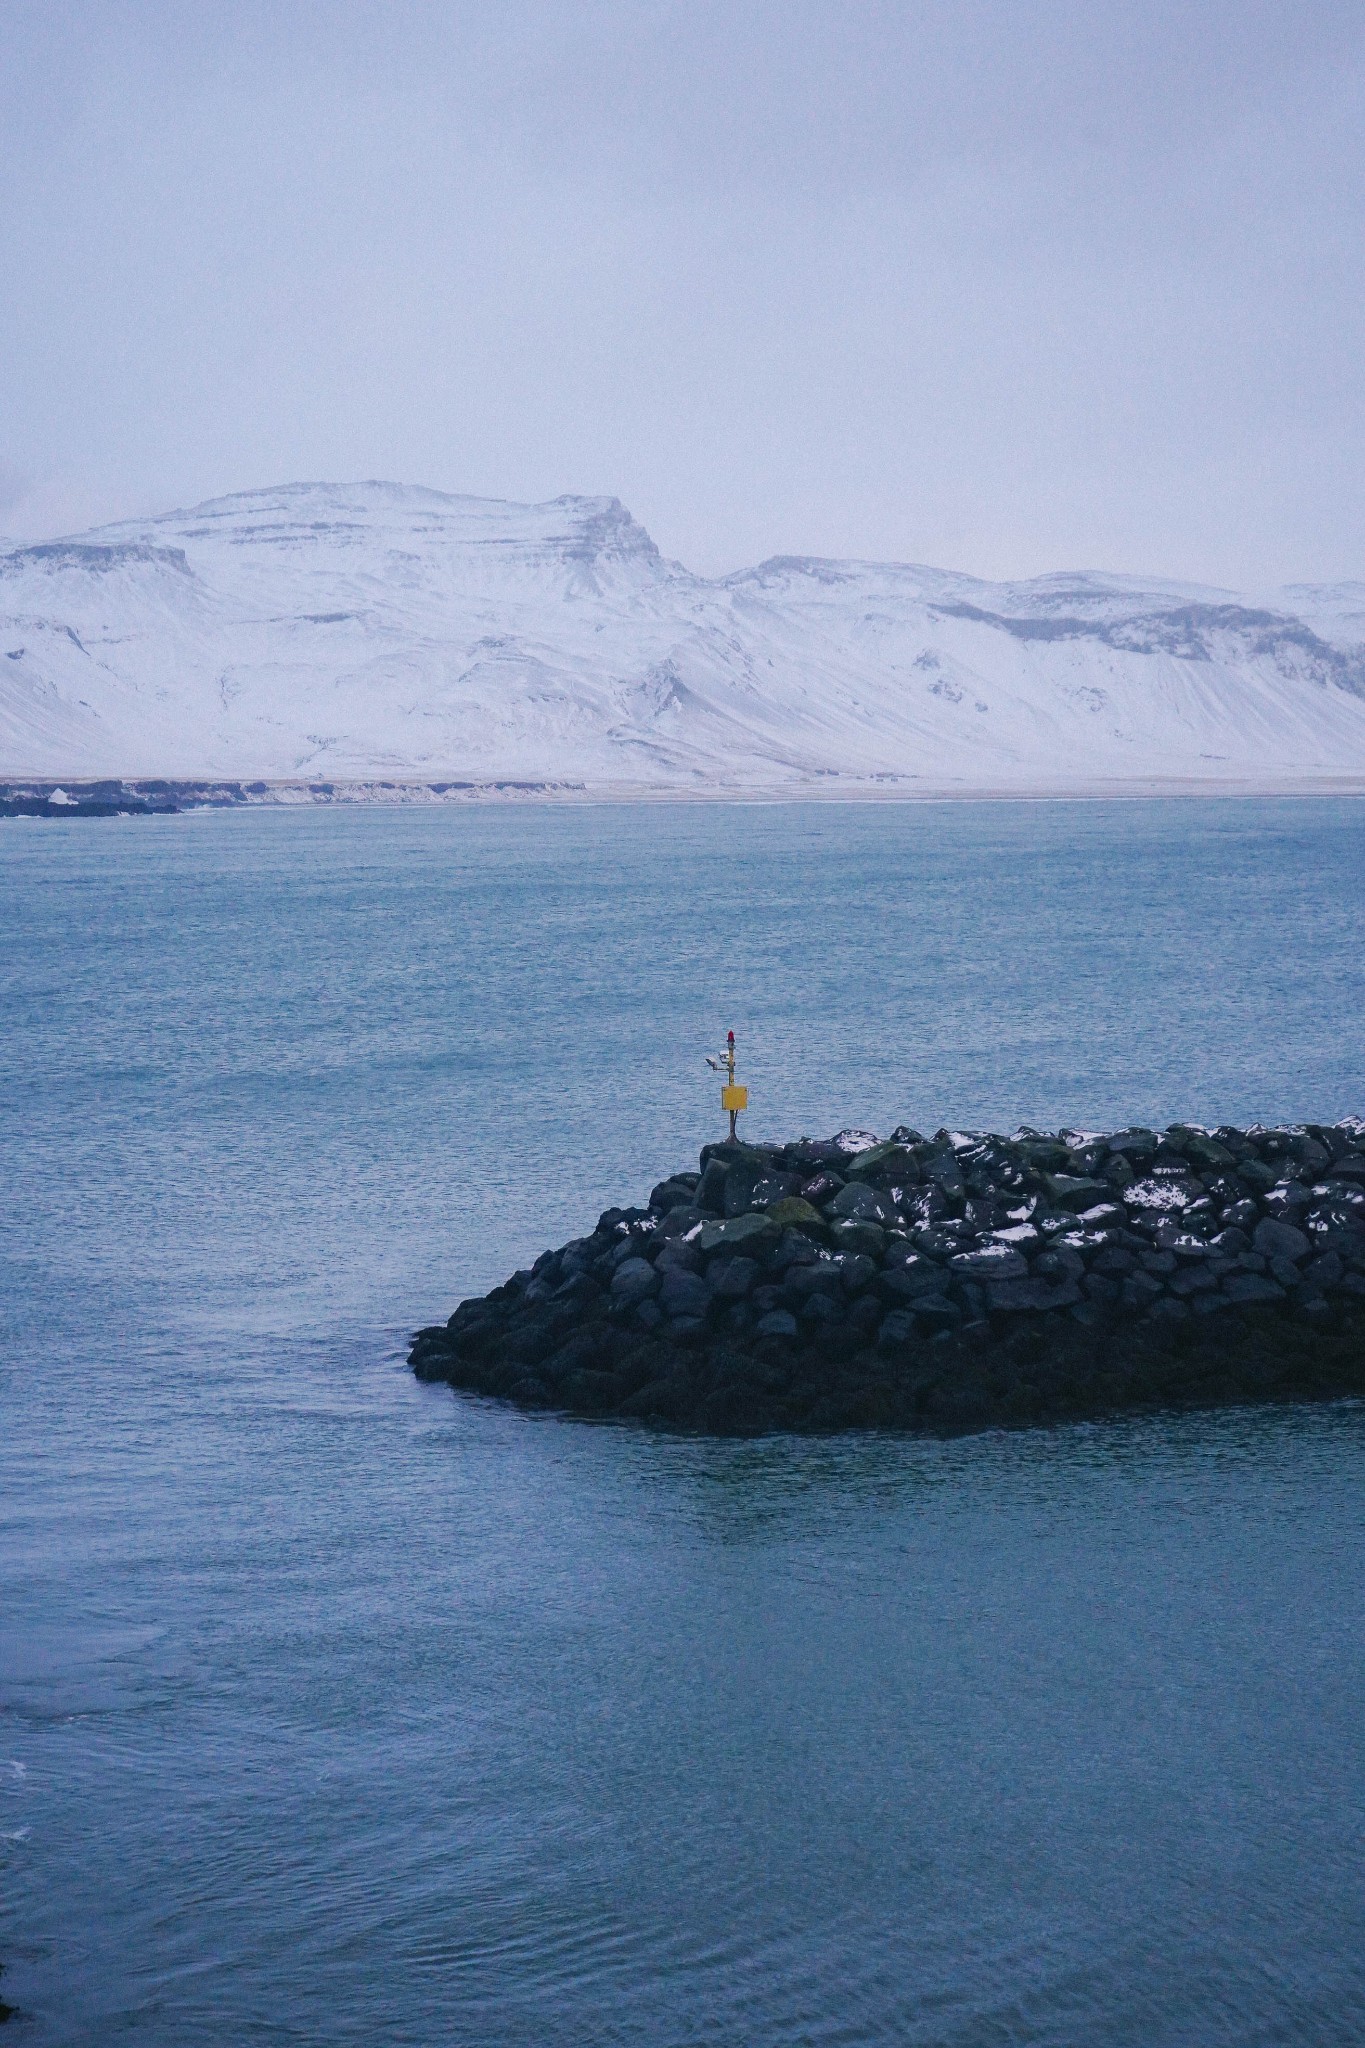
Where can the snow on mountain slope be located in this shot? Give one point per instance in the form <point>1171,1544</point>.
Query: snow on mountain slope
<point>377,631</point>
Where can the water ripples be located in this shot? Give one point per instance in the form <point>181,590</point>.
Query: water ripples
<point>340,1710</point>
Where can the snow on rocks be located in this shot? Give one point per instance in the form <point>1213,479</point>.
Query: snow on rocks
<point>943,1283</point>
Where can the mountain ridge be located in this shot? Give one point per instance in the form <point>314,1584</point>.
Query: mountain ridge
<point>378,631</point>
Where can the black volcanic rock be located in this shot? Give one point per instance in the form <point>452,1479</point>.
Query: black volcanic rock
<point>953,1283</point>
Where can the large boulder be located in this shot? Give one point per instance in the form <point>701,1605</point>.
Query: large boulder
<point>741,1181</point>
<point>990,1262</point>
<point>734,1278</point>
<point>778,1322</point>
<point>859,1272</point>
<point>793,1212</point>
<point>858,1203</point>
<point>1204,1153</point>
<point>824,1277</point>
<point>633,1279</point>
<point>684,1294</point>
<point>1280,1240</point>
<point>886,1163</point>
<point>753,1234</point>
<point>1249,1287</point>
<point>1034,1294</point>
<point>1257,1176</point>
<point>1075,1191</point>
<point>869,1238</point>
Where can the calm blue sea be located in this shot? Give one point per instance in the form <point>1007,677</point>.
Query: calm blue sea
<point>335,1708</point>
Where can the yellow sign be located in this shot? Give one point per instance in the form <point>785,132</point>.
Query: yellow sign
<point>732,1097</point>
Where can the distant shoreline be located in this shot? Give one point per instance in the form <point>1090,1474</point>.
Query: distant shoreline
<point>147,796</point>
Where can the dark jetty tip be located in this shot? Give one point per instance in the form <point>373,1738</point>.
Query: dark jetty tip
<point>88,800</point>
<point>944,1284</point>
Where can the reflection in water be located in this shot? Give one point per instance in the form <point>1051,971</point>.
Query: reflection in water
<point>798,1486</point>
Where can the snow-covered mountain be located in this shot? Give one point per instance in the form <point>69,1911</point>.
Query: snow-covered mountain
<point>375,631</point>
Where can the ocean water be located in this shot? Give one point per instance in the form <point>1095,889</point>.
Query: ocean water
<point>335,1708</point>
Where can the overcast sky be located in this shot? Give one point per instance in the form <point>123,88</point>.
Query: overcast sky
<point>1001,287</point>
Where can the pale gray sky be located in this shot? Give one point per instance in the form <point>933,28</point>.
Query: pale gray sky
<point>1002,287</point>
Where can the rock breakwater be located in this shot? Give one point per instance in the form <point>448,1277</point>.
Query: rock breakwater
<point>945,1283</point>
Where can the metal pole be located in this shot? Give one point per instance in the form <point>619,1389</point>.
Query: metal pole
<point>730,1063</point>
<point>731,1098</point>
